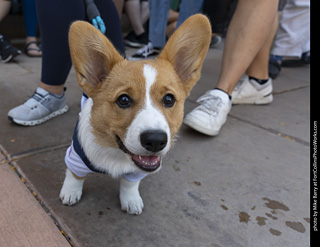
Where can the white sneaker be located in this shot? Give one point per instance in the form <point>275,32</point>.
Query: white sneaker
<point>211,114</point>
<point>41,107</point>
<point>251,92</point>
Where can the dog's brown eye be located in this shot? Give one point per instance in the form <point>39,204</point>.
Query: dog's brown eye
<point>168,100</point>
<point>124,101</point>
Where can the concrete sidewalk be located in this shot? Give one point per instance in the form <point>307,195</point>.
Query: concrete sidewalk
<point>249,186</point>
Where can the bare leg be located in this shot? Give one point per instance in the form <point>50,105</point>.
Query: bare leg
<point>132,9</point>
<point>52,89</point>
<point>246,49</point>
<point>32,46</point>
<point>4,8</point>
<point>247,33</point>
<point>144,10</point>
<point>259,66</point>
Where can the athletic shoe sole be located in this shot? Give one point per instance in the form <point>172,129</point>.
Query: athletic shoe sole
<point>139,58</point>
<point>133,44</point>
<point>198,127</point>
<point>268,98</point>
<point>42,120</point>
<point>10,57</point>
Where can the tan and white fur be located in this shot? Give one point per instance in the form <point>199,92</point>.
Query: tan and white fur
<point>135,109</point>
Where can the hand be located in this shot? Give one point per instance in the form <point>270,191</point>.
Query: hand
<point>99,24</point>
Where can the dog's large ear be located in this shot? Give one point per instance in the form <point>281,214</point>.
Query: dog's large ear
<point>92,54</point>
<point>187,47</point>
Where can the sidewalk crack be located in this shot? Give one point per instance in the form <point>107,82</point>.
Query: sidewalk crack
<point>273,131</point>
<point>290,90</point>
<point>16,156</point>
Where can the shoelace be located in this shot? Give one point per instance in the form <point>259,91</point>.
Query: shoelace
<point>146,50</point>
<point>39,97</point>
<point>210,104</point>
<point>36,97</point>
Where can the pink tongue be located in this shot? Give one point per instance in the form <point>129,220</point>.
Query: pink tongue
<point>147,160</point>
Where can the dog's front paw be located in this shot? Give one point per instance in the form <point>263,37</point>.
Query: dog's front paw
<point>71,190</point>
<point>130,199</point>
<point>70,196</point>
<point>131,204</point>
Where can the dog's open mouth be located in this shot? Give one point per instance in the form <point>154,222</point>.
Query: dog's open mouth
<point>146,163</point>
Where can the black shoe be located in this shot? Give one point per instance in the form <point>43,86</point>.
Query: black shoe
<point>145,52</point>
<point>215,41</point>
<point>136,41</point>
<point>7,51</point>
<point>304,60</point>
<point>274,67</point>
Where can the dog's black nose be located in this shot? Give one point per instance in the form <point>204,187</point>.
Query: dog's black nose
<point>154,141</point>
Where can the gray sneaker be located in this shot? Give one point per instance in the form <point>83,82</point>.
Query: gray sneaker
<point>41,107</point>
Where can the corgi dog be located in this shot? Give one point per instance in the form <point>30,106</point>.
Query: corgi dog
<point>132,110</point>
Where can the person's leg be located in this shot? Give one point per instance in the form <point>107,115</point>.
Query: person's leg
<point>138,37</point>
<point>31,22</point>
<point>119,6</point>
<point>188,8</point>
<point>56,61</point>
<point>159,12</point>
<point>217,11</point>
<point>132,8</point>
<point>172,22</point>
<point>49,100</point>
<point>4,8</point>
<point>7,51</point>
<point>30,17</point>
<point>220,13</point>
<point>247,33</point>
<point>256,87</point>
<point>144,10</point>
<point>293,36</point>
<point>55,18</point>
<point>259,65</point>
